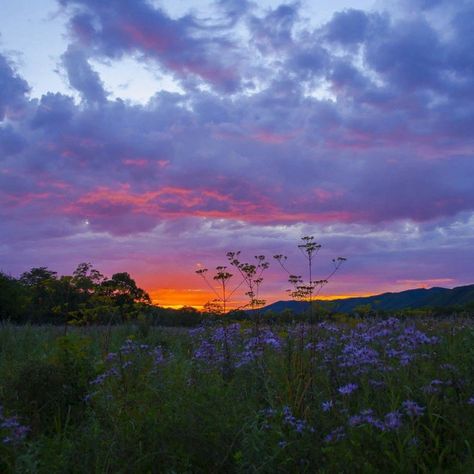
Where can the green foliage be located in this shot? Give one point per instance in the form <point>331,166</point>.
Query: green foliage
<point>86,297</point>
<point>13,299</point>
<point>176,416</point>
<point>50,392</point>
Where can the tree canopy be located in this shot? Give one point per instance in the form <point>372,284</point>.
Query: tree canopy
<point>40,295</point>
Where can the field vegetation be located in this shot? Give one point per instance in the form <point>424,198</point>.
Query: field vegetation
<point>95,379</point>
<point>379,395</point>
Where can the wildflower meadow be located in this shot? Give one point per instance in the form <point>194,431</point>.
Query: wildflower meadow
<point>236,391</point>
<point>347,395</point>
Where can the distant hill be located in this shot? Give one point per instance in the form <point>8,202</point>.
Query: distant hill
<point>418,298</point>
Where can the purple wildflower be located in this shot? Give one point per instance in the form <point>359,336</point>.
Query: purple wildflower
<point>326,406</point>
<point>365,417</point>
<point>412,408</point>
<point>393,421</point>
<point>348,389</point>
<point>16,432</point>
<point>297,425</point>
<point>111,356</point>
<point>101,378</point>
<point>434,386</point>
<point>157,354</point>
<point>335,435</point>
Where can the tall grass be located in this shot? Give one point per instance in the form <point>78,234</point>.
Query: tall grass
<point>352,396</point>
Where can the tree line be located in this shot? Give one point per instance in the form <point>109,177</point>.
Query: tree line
<point>86,296</point>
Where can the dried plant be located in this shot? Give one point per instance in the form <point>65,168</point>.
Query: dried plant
<point>251,277</point>
<point>307,290</point>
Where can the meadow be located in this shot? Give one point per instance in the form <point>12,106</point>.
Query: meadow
<point>381,395</point>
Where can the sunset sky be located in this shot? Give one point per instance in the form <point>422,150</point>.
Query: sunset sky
<point>153,136</point>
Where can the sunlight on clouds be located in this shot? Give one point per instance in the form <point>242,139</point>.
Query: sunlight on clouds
<point>411,228</point>
<point>130,79</point>
<point>320,92</point>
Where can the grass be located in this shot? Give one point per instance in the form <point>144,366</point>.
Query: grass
<point>347,396</point>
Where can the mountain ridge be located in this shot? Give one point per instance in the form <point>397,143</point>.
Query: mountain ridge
<point>417,298</point>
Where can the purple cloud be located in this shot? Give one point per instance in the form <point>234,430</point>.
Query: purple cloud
<point>185,46</point>
<point>11,142</point>
<point>82,77</point>
<point>274,31</point>
<point>12,90</point>
<point>348,27</point>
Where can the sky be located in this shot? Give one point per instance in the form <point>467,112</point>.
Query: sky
<point>155,136</point>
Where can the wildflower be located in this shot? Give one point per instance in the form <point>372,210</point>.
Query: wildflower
<point>288,416</point>
<point>413,409</point>
<point>434,386</point>
<point>296,424</point>
<point>348,389</point>
<point>128,347</point>
<point>393,421</point>
<point>300,425</point>
<point>378,424</point>
<point>111,356</point>
<point>364,417</point>
<point>16,431</point>
<point>268,412</point>
<point>355,355</point>
<point>101,378</point>
<point>335,435</point>
<point>326,406</point>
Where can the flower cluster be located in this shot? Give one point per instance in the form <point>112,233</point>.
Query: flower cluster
<point>285,418</point>
<point>13,432</point>
<point>130,356</point>
<point>232,344</point>
<point>391,421</point>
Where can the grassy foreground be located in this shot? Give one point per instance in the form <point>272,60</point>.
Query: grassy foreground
<point>376,396</point>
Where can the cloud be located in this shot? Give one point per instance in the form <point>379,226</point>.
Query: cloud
<point>274,31</point>
<point>82,77</point>
<point>410,55</point>
<point>185,46</point>
<point>234,10</point>
<point>348,27</point>
<point>13,90</point>
<point>11,142</point>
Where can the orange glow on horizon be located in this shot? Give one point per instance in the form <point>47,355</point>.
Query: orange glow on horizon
<point>177,290</point>
<point>178,297</point>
